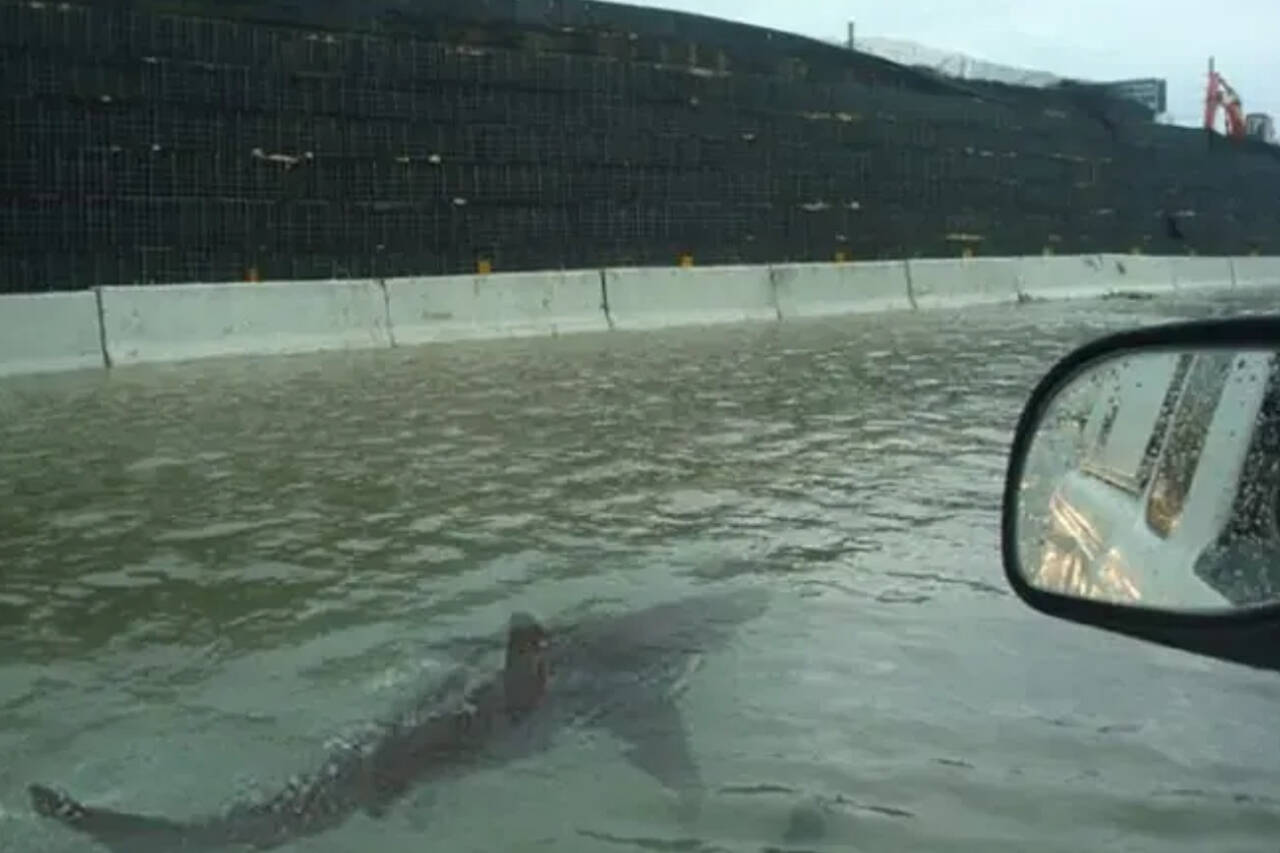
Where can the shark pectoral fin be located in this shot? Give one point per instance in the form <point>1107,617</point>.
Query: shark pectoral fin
<point>658,744</point>
<point>677,773</point>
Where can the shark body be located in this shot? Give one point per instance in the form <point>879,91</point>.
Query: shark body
<point>621,673</point>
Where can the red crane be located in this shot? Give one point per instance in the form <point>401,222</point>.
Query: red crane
<point>1221,94</point>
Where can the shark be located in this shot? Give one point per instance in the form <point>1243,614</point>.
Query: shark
<point>620,673</point>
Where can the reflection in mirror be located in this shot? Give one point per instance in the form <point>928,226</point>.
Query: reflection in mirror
<point>1152,481</point>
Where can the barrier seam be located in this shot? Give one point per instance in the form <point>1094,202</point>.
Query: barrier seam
<point>604,299</point>
<point>102,328</point>
<point>1020,295</point>
<point>911,288</point>
<point>773,292</point>
<point>386,309</point>
<point>1231,263</point>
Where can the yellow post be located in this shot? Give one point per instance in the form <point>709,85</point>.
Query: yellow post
<point>841,256</point>
<point>484,266</point>
<point>686,260</point>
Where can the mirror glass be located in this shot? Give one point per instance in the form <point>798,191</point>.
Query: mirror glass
<point>1152,481</point>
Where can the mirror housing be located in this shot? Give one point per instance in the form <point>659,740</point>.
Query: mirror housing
<point>1067,565</point>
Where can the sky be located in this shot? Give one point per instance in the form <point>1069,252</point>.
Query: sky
<point>1085,39</point>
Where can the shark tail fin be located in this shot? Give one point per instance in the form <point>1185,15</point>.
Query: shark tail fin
<point>117,831</point>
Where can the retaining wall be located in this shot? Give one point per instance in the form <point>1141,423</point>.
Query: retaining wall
<point>422,310</point>
<point>127,325</point>
<point>49,332</point>
<point>176,322</point>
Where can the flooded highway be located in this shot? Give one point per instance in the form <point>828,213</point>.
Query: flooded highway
<point>214,570</point>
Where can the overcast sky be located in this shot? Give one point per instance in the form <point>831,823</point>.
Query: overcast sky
<point>1089,39</point>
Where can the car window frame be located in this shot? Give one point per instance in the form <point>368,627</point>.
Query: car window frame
<point>1136,484</point>
<point>1162,521</point>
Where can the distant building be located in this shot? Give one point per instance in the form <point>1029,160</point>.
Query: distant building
<point>1151,93</point>
<point>1260,126</point>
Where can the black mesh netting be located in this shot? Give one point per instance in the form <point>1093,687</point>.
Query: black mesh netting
<point>151,141</point>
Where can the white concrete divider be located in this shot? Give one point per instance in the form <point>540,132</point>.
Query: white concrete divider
<point>47,332</point>
<point>815,290</point>
<point>1252,270</point>
<point>649,298</point>
<point>1196,272</point>
<point>1065,276</point>
<point>67,331</point>
<point>1139,273</point>
<point>955,282</point>
<point>450,308</point>
<point>177,322</point>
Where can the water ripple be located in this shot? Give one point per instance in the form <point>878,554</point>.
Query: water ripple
<point>212,568</point>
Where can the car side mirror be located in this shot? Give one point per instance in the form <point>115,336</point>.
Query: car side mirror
<point>1143,489</point>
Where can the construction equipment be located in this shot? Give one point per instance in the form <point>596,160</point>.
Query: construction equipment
<point>1221,94</point>
<point>1238,126</point>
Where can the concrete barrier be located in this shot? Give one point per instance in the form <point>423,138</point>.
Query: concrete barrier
<point>450,308</point>
<point>1065,276</point>
<point>1201,272</point>
<point>650,298</point>
<point>47,332</point>
<point>1139,273</point>
<point>956,282</point>
<point>51,332</point>
<point>815,290</point>
<point>176,322</point>
<point>1251,271</point>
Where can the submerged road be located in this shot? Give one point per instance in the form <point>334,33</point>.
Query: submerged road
<point>212,569</point>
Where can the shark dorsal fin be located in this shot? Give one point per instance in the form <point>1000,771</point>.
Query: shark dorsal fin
<point>525,668</point>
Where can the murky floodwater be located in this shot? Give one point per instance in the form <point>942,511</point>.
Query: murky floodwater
<point>210,570</point>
